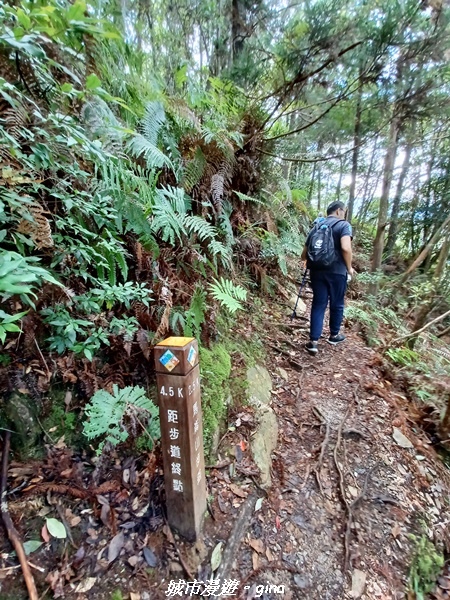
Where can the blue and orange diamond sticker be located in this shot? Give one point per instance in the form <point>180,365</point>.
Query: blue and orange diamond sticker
<point>169,360</point>
<point>192,356</point>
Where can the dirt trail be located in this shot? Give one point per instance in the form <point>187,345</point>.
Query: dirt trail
<point>335,524</point>
<point>346,496</point>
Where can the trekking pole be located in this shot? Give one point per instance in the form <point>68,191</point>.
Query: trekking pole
<point>294,313</point>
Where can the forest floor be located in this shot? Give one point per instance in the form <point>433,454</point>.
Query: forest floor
<point>357,487</point>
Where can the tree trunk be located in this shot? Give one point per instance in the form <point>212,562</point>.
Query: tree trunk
<point>430,165</point>
<point>339,183</point>
<point>369,171</point>
<point>392,234</point>
<point>311,186</point>
<point>388,170</point>
<point>237,28</point>
<point>424,253</point>
<point>443,258</point>
<point>319,188</point>
<point>420,320</point>
<point>355,154</point>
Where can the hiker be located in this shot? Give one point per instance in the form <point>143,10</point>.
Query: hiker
<point>328,255</point>
<point>319,219</point>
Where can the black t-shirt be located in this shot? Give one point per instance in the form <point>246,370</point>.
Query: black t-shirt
<point>340,229</point>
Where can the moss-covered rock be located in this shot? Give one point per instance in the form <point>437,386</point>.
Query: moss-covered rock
<point>20,415</point>
<point>215,368</point>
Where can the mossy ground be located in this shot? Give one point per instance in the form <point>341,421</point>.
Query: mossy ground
<point>223,369</point>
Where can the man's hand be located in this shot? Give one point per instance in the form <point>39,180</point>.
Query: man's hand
<point>351,272</point>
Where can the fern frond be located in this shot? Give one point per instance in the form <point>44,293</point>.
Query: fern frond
<point>167,223</point>
<point>195,316</point>
<point>177,198</point>
<point>153,120</point>
<point>139,146</point>
<point>107,412</point>
<point>442,352</point>
<point>219,250</point>
<point>228,294</point>
<point>217,185</point>
<point>177,321</point>
<point>246,198</point>
<point>194,170</point>
<point>200,227</point>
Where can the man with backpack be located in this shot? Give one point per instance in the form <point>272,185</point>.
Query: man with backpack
<point>328,254</point>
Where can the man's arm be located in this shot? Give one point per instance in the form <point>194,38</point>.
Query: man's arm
<point>346,247</point>
<point>304,254</point>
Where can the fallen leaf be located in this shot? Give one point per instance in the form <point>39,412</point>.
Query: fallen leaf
<point>126,475</point>
<point>135,596</point>
<point>255,561</point>
<point>238,491</point>
<point>85,585</point>
<point>258,504</point>
<point>31,545</point>
<point>243,445</point>
<point>257,545</point>
<point>396,530</point>
<point>142,511</point>
<point>128,525</point>
<point>44,534</point>
<point>56,528</point>
<point>115,546</point>
<point>104,514</point>
<point>56,580</point>
<point>216,557</point>
<point>270,556</point>
<point>150,557</point>
<point>75,521</point>
<point>358,583</point>
<point>61,443</point>
<point>401,439</point>
<point>277,522</point>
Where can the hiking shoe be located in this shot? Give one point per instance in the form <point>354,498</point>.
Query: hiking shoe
<point>336,339</point>
<point>311,348</point>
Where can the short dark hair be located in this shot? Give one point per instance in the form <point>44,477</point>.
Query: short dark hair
<point>334,206</point>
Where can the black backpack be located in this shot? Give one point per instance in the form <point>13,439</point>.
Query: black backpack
<point>320,245</point>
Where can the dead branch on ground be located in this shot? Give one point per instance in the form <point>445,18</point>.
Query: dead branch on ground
<point>9,525</point>
<point>422,329</point>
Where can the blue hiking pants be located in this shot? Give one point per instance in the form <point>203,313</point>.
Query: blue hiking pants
<point>327,287</point>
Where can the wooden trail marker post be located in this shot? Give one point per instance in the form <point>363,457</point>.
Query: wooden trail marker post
<point>180,412</point>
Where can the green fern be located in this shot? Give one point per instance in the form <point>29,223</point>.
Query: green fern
<point>219,250</point>
<point>200,227</point>
<point>153,120</point>
<point>246,198</point>
<point>139,146</point>
<point>167,223</point>
<point>113,415</point>
<point>195,316</point>
<point>228,294</point>
<point>177,321</point>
